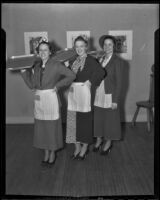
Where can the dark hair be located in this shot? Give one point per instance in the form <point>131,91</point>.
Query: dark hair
<point>105,37</point>
<point>110,38</point>
<point>46,43</point>
<point>80,38</point>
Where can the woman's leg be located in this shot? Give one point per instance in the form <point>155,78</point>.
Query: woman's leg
<point>46,155</point>
<point>77,148</point>
<point>107,145</point>
<point>98,142</point>
<point>51,156</point>
<point>83,149</point>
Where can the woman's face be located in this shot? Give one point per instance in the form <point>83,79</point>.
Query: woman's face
<point>108,46</point>
<point>80,47</point>
<point>44,51</point>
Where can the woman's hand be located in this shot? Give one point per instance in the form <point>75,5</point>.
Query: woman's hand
<point>87,83</point>
<point>66,63</point>
<point>23,70</point>
<point>114,106</point>
<point>55,89</point>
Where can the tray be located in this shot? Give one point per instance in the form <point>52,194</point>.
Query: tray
<point>21,62</point>
<point>65,55</point>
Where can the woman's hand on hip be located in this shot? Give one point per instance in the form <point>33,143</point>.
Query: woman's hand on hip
<point>55,89</point>
<point>114,106</point>
<point>87,83</point>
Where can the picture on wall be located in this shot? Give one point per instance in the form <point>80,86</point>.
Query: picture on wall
<point>32,39</point>
<point>71,36</point>
<point>123,43</point>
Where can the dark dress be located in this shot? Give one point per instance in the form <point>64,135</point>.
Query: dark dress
<point>93,72</point>
<point>107,121</point>
<point>48,133</point>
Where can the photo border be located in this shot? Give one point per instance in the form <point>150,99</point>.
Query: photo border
<point>129,38</point>
<point>28,35</point>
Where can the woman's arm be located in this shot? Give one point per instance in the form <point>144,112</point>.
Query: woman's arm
<point>118,74</point>
<point>69,76</point>
<point>27,76</point>
<point>98,73</point>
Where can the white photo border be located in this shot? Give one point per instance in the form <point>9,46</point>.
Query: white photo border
<point>28,35</point>
<point>129,41</point>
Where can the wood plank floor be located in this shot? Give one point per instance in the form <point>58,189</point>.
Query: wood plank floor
<point>127,170</point>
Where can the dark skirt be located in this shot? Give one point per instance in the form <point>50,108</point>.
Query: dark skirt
<point>84,127</point>
<point>107,123</point>
<point>48,134</point>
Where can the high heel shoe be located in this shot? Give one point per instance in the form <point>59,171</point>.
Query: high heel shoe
<point>103,153</point>
<point>44,162</point>
<point>74,157</point>
<point>84,155</point>
<point>51,164</point>
<point>96,149</point>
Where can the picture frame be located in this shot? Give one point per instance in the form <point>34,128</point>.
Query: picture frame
<point>32,39</point>
<point>124,41</point>
<point>71,35</point>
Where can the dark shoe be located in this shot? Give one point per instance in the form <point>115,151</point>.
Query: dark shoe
<point>74,157</point>
<point>103,153</point>
<point>96,149</point>
<point>51,164</point>
<point>43,163</point>
<point>84,156</point>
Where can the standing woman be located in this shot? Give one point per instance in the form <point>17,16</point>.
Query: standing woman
<point>89,73</point>
<point>44,79</point>
<point>106,111</point>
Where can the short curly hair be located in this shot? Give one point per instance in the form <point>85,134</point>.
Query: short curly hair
<point>81,38</point>
<point>47,43</point>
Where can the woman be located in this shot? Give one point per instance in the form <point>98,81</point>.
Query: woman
<point>44,78</point>
<point>89,74</point>
<point>106,110</point>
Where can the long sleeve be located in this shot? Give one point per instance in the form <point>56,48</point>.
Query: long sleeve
<point>69,76</point>
<point>98,73</point>
<point>28,78</point>
<point>118,71</point>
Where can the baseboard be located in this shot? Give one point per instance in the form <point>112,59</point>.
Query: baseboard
<point>30,120</point>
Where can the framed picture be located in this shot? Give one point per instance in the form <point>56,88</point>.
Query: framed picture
<point>71,36</point>
<point>123,43</point>
<point>32,39</point>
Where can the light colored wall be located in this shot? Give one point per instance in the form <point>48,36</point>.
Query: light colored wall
<point>56,19</point>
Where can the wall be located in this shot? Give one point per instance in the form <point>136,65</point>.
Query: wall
<point>56,19</point>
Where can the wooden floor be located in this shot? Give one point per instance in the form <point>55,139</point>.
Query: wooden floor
<point>127,170</point>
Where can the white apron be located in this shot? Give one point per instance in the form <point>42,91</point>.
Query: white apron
<point>46,106</point>
<point>79,98</point>
<point>101,99</point>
